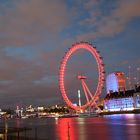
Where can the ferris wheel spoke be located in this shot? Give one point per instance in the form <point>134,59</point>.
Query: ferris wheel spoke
<point>85,92</point>
<point>90,94</point>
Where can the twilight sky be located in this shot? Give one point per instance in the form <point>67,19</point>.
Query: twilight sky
<point>35,34</point>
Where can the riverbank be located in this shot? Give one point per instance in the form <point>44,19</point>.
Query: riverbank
<point>136,111</point>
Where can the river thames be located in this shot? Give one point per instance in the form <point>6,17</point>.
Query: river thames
<point>113,127</point>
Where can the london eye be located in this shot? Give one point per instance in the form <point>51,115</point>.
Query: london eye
<point>91,97</point>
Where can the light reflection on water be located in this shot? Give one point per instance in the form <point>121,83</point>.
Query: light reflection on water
<point>66,129</point>
<point>114,127</point>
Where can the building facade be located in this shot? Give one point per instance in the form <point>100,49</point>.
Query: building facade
<point>115,82</point>
<point>122,101</point>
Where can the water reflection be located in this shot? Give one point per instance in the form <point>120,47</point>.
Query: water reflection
<point>114,127</point>
<point>133,129</point>
<point>95,129</point>
<point>81,129</point>
<point>117,131</point>
<point>124,127</point>
<point>66,129</point>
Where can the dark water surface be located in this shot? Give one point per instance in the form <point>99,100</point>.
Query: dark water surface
<point>114,127</point>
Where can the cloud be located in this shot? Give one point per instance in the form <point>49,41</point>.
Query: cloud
<point>31,73</point>
<point>114,23</point>
<point>90,4</point>
<point>14,68</point>
<point>30,22</point>
<point>17,78</point>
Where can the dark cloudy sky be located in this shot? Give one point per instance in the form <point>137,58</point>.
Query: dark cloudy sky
<point>35,34</point>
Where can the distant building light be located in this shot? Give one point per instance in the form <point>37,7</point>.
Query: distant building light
<point>40,108</point>
<point>75,104</point>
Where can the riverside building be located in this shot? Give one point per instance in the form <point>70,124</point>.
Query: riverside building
<point>118,98</point>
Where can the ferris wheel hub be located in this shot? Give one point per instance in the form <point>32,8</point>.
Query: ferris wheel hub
<point>81,77</point>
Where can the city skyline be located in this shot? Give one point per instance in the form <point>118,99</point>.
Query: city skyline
<point>34,36</point>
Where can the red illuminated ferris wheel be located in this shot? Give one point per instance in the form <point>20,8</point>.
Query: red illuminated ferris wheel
<point>91,98</point>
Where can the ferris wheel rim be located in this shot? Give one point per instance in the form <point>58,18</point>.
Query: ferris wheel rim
<point>99,61</point>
